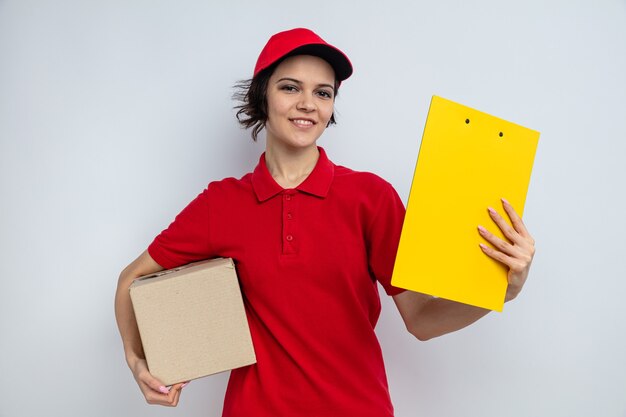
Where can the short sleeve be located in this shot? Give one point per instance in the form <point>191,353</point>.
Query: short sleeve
<point>384,237</point>
<point>186,239</point>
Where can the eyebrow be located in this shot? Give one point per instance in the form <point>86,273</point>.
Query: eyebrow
<point>300,82</point>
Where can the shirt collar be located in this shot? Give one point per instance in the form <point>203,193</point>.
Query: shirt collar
<point>317,183</point>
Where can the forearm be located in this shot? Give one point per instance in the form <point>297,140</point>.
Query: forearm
<point>439,316</point>
<point>426,317</point>
<point>127,324</point>
<point>124,313</point>
<point>152,388</point>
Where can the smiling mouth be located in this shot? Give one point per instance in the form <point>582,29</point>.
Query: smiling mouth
<point>302,122</point>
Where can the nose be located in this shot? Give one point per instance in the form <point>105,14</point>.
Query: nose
<point>306,103</point>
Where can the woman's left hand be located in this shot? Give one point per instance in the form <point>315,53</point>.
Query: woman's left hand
<point>517,253</point>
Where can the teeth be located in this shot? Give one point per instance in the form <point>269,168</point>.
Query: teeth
<point>303,122</point>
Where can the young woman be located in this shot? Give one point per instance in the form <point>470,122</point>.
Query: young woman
<point>311,240</point>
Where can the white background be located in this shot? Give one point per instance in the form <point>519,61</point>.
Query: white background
<point>115,114</point>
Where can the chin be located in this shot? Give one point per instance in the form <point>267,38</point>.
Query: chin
<point>297,142</point>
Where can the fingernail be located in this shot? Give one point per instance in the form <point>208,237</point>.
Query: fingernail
<point>164,389</point>
<point>505,201</point>
<point>184,385</point>
<point>482,229</point>
<point>492,211</point>
<point>482,246</point>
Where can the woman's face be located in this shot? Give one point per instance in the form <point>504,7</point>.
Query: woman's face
<point>300,99</point>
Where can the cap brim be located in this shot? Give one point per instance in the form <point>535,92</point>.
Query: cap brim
<point>340,63</point>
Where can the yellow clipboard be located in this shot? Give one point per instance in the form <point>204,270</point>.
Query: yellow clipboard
<point>468,160</point>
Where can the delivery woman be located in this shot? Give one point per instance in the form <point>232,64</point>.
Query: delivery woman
<point>311,241</point>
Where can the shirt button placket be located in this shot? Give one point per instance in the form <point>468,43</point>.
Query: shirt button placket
<point>289,246</point>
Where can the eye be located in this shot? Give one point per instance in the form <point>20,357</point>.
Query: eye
<point>325,94</point>
<point>289,88</point>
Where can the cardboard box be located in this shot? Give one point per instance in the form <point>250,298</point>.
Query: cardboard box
<point>192,321</point>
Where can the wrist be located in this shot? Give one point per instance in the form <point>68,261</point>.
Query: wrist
<point>132,358</point>
<point>511,293</point>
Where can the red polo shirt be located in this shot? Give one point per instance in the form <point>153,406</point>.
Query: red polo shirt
<point>308,261</point>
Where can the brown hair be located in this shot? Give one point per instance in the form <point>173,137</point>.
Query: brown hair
<point>252,94</point>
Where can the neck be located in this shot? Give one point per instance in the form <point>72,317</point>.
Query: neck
<point>290,167</point>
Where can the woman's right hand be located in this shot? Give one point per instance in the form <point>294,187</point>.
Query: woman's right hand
<point>153,390</point>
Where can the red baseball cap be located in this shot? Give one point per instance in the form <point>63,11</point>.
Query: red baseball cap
<point>302,41</point>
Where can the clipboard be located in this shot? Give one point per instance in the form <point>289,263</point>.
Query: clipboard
<point>468,160</point>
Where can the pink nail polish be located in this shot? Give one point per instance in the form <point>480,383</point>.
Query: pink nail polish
<point>184,385</point>
<point>505,201</point>
<point>492,211</point>
<point>482,229</point>
<point>164,390</point>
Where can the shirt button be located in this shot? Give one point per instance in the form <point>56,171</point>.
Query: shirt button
<point>289,216</point>
<point>289,238</point>
<point>287,197</point>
